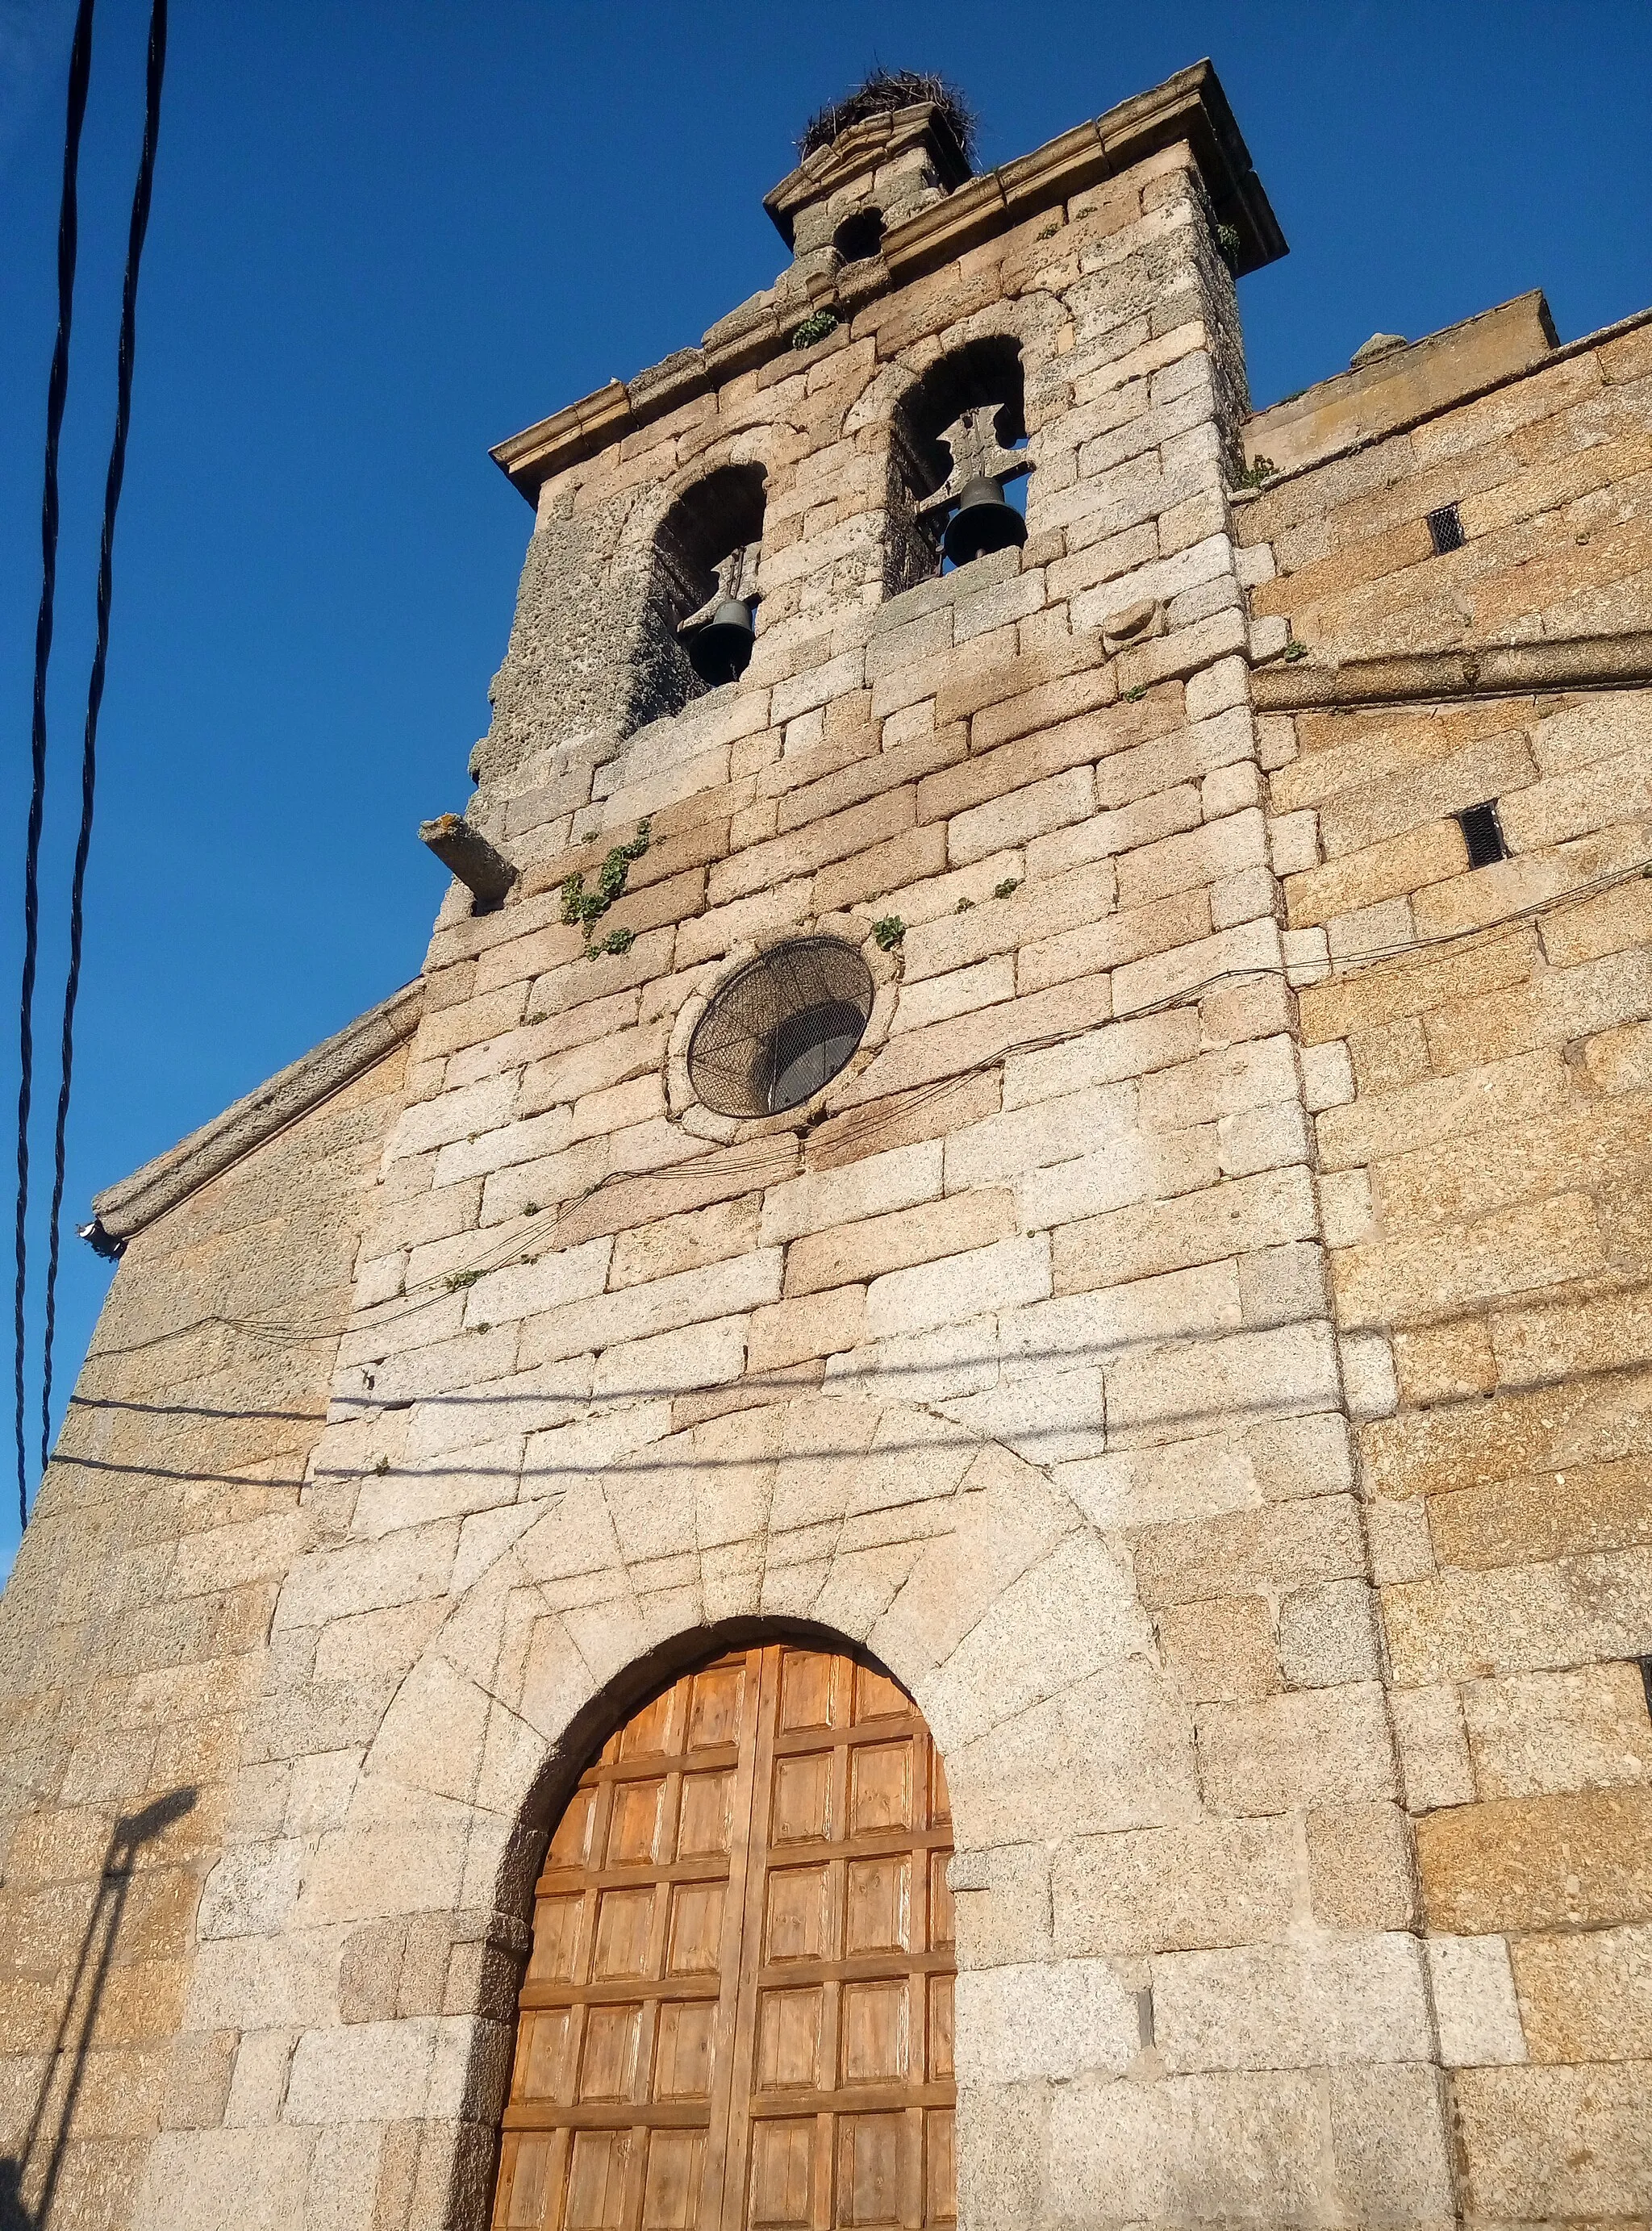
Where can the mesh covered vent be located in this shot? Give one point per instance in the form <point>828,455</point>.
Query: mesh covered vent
<point>780,1027</point>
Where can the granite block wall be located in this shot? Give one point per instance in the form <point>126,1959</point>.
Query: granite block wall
<point>1195,1343</point>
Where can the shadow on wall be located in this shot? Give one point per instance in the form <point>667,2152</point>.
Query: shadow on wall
<point>37,2164</point>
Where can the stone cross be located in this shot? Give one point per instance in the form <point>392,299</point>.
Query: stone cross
<point>977,454</point>
<point>736,577</point>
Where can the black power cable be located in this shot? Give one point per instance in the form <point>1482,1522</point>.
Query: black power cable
<point>155,72</point>
<point>79,76</point>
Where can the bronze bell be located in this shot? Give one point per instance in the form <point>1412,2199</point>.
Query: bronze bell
<point>984,520</point>
<point>721,651</point>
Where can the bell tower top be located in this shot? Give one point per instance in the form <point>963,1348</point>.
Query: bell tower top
<point>892,148</point>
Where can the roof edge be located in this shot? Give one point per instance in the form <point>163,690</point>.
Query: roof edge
<point>127,1207</point>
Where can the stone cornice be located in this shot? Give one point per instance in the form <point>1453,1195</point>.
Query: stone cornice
<point>1497,670</point>
<point>1190,106</point>
<point>122,1210</point>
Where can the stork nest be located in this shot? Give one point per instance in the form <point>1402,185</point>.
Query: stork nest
<point>881,91</point>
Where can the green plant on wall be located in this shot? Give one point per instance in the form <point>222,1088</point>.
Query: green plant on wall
<point>815,327</point>
<point>584,907</point>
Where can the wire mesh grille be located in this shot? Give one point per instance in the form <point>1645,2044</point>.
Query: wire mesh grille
<point>1445,529</point>
<point>780,1027</point>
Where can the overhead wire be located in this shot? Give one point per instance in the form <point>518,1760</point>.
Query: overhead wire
<point>154,76</point>
<point>80,78</point>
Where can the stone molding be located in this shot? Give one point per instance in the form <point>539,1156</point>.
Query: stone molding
<point>1190,106</point>
<point>1582,661</point>
<point>124,1209</point>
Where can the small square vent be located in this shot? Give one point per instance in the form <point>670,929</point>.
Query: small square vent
<point>1445,529</point>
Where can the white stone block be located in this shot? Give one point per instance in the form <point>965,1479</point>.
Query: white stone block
<point>370,2072</point>
<point>1007,1275</point>
<point>899,1179</point>
<point>1345,1207</point>
<point>1369,1387</point>
<point>250,1892</point>
<point>1227,682</point>
<point>1194,1478</point>
<point>1105,1056</point>
<point>929,1367</point>
<point>1044,2019</point>
<point>1432,1749</point>
<point>452,1116</point>
<point>1280,2007</point>
<point>1280,1285</point>
<point>667,1304</point>
<point>1327,1076</point>
<point>1293,842</point>
<point>1328,1635</point>
<point>1307,957</point>
<point>1257,1073</point>
<point>235,2180</point>
<point>1263,1139</point>
<point>1231,789</point>
<point>1088,1327</point>
<point>1385,928</point>
<point>1031,1138</point>
<point>1401,1546</point>
<point>259,2083</point>
<point>697,1356</point>
<point>960,992</point>
<point>1047,1416</point>
<point>1276,740</point>
<point>1251,895</point>
<point>1474,2002</point>
<point>1167,1394</point>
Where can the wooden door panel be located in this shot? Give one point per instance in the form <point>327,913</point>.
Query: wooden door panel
<point>878,1916</point>
<point>801,1810</point>
<point>737,2011</point>
<point>682,2053</point>
<point>880,1787</point>
<point>799,1914</point>
<point>671,2196</point>
<point>705,1815</point>
<point>696,1942</point>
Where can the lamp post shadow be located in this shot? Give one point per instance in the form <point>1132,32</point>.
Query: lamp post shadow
<point>38,2162</point>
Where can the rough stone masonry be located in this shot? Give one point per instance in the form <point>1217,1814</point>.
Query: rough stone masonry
<point>1201,1344</point>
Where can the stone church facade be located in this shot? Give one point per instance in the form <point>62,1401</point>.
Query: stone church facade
<point>956,1421</point>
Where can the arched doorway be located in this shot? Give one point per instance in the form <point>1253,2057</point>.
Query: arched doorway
<point>737,2013</point>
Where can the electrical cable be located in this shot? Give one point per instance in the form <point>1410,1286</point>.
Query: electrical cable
<point>154,74</point>
<point>79,77</point>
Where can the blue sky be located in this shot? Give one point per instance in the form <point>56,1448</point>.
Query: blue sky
<point>386,235</point>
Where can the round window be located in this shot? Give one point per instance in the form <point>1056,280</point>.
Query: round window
<point>780,1027</point>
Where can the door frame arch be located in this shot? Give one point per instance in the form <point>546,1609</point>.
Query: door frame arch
<point>860,2102</point>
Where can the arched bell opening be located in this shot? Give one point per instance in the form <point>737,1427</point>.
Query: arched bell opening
<point>700,608</point>
<point>737,2008</point>
<point>980,383</point>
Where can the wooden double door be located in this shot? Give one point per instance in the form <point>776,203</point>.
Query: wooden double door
<point>737,2013</point>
